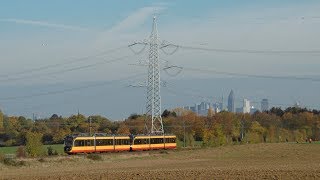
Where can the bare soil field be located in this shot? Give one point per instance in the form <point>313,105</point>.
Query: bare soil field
<point>250,161</point>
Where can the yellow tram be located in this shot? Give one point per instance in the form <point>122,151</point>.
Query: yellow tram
<point>84,143</point>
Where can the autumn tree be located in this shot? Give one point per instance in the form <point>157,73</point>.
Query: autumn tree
<point>136,124</point>
<point>256,132</point>
<point>75,121</point>
<point>1,122</point>
<point>123,129</point>
<point>208,137</point>
<point>230,125</point>
<point>34,146</point>
<point>214,136</point>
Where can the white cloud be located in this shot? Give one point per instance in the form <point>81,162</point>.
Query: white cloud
<point>136,19</point>
<point>44,24</point>
<point>123,30</point>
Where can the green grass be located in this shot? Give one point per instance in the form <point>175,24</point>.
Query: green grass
<point>57,147</point>
<point>13,149</point>
<point>8,150</point>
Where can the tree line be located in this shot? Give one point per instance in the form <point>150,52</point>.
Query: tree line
<point>293,124</point>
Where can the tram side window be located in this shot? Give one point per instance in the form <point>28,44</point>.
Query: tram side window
<point>156,140</point>
<point>89,143</point>
<point>138,141</point>
<point>108,142</point>
<point>79,143</point>
<point>141,141</point>
<point>125,142</point>
<point>170,140</point>
<point>118,141</point>
<point>99,142</point>
<point>122,141</point>
<point>104,142</point>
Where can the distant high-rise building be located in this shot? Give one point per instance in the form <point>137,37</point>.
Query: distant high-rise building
<point>253,110</point>
<point>246,106</point>
<point>186,107</point>
<point>231,98</point>
<point>264,105</point>
<point>221,103</point>
<point>239,110</point>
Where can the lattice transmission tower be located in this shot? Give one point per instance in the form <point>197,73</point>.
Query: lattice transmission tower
<point>153,104</point>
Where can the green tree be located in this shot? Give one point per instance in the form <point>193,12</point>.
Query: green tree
<point>207,137</point>
<point>214,136</point>
<point>1,122</point>
<point>34,146</point>
<point>11,127</point>
<point>59,136</point>
<point>219,136</point>
<point>74,122</point>
<point>256,132</point>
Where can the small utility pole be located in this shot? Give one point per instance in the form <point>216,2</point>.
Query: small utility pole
<point>90,125</point>
<point>184,133</point>
<point>242,128</point>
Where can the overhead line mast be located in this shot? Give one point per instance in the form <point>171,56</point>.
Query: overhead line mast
<point>153,121</point>
<point>153,105</point>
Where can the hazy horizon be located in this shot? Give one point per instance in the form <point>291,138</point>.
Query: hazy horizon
<point>57,49</point>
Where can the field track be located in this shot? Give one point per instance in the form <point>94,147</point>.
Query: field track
<point>257,161</point>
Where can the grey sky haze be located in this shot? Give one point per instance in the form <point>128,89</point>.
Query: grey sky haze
<point>36,39</point>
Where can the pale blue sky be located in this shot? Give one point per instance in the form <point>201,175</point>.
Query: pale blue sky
<point>37,33</point>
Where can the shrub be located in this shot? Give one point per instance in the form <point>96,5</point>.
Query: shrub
<point>21,153</point>
<point>10,161</point>
<point>34,146</point>
<point>10,142</point>
<point>1,157</point>
<point>94,157</point>
<point>41,160</point>
<point>51,151</point>
<point>21,163</point>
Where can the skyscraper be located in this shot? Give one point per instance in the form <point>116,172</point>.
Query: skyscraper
<point>246,106</point>
<point>264,105</point>
<point>231,107</point>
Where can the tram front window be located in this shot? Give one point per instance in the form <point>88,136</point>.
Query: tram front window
<point>68,141</point>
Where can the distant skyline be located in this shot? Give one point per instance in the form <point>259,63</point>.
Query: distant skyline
<point>37,38</point>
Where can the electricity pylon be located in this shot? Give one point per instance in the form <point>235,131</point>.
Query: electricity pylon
<point>153,104</point>
<point>153,83</point>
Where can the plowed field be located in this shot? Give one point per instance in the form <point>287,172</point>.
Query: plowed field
<point>257,161</point>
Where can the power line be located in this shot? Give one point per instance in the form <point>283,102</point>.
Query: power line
<point>247,51</point>
<point>267,18</point>
<point>68,89</point>
<point>71,61</point>
<point>212,71</point>
<point>66,70</point>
